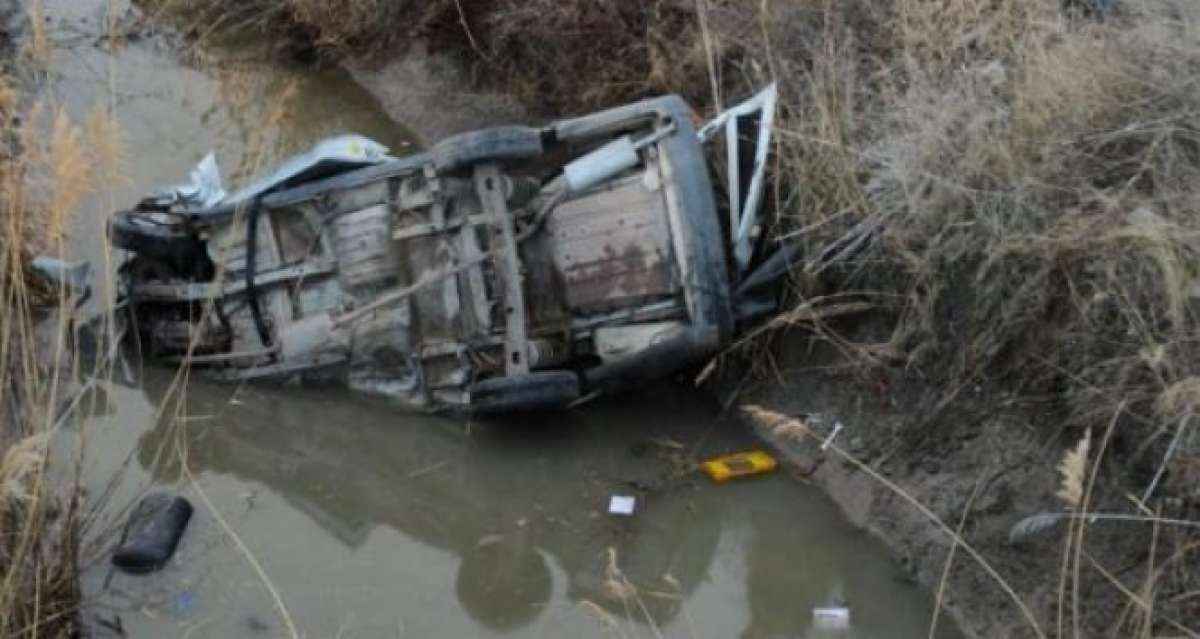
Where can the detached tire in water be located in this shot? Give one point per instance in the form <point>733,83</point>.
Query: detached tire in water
<point>152,534</point>
<point>497,144</point>
<point>540,390</point>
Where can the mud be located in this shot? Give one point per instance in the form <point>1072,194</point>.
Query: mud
<point>433,93</point>
<point>979,468</point>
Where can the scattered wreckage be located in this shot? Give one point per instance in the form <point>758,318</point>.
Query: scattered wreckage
<point>505,269</point>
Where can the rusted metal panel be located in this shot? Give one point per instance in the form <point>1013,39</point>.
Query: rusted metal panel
<point>297,233</point>
<point>545,298</point>
<point>489,186</point>
<point>228,247</point>
<point>384,338</point>
<point>613,245</point>
<point>363,243</point>
<point>422,258</point>
<point>445,364</point>
<point>472,282</point>
<point>156,291</point>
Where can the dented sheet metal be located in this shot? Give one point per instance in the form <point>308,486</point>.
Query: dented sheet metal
<point>612,246</point>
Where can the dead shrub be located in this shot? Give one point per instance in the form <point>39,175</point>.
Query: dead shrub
<point>584,55</point>
<point>42,179</point>
<point>559,56</point>
<point>1035,174</point>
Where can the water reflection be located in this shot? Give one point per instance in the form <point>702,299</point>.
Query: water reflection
<point>520,505</point>
<point>499,499</point>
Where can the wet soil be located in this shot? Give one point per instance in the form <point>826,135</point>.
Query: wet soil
<point>406,87</point>
<point>979,466</point>
<point>945,482</point>
<point>336,515</point>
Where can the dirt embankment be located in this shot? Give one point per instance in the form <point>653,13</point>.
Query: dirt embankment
<point>978,478</point>
<point>1020,183</point>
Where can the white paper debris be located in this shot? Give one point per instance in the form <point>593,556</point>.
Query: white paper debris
<point>831,618</point>
<point>837,428</point>
<point>620,505</point>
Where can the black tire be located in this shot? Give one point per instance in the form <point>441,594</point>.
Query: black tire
<point>541,390</point>
<point>497,144</point>
<point>142,233</point>
<point>147,236</point>
<point>153,533</point>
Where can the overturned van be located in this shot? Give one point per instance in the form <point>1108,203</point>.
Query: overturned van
<point>505,269</point>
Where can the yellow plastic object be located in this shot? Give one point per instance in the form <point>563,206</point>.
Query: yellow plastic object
<point>754,462</point>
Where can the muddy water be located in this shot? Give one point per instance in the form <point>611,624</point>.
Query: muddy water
<point>352,519</point>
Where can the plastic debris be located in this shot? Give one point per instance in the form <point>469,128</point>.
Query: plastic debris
<point>831,618</point>
<point>837,429</point>
<point>755,462</point>
<point>185,605</point>
<point>620,505</point>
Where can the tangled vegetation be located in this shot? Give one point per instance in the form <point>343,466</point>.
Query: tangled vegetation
<point>39,527</point>
<point>48,166</point>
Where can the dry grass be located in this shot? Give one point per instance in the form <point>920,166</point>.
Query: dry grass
<point>38,530</point>
<point>1035,177</point>
<point>43,179</point>
<point>574,56</point>
<point>366,29</point>
<point>37,50</point>
<point>1034,173</point>
<point>559,56</point>
<point>1072,469</point>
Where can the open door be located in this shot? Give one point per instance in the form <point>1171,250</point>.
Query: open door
<point>748,128</point>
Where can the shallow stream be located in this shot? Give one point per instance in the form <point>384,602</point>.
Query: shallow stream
<point>351,518</point>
